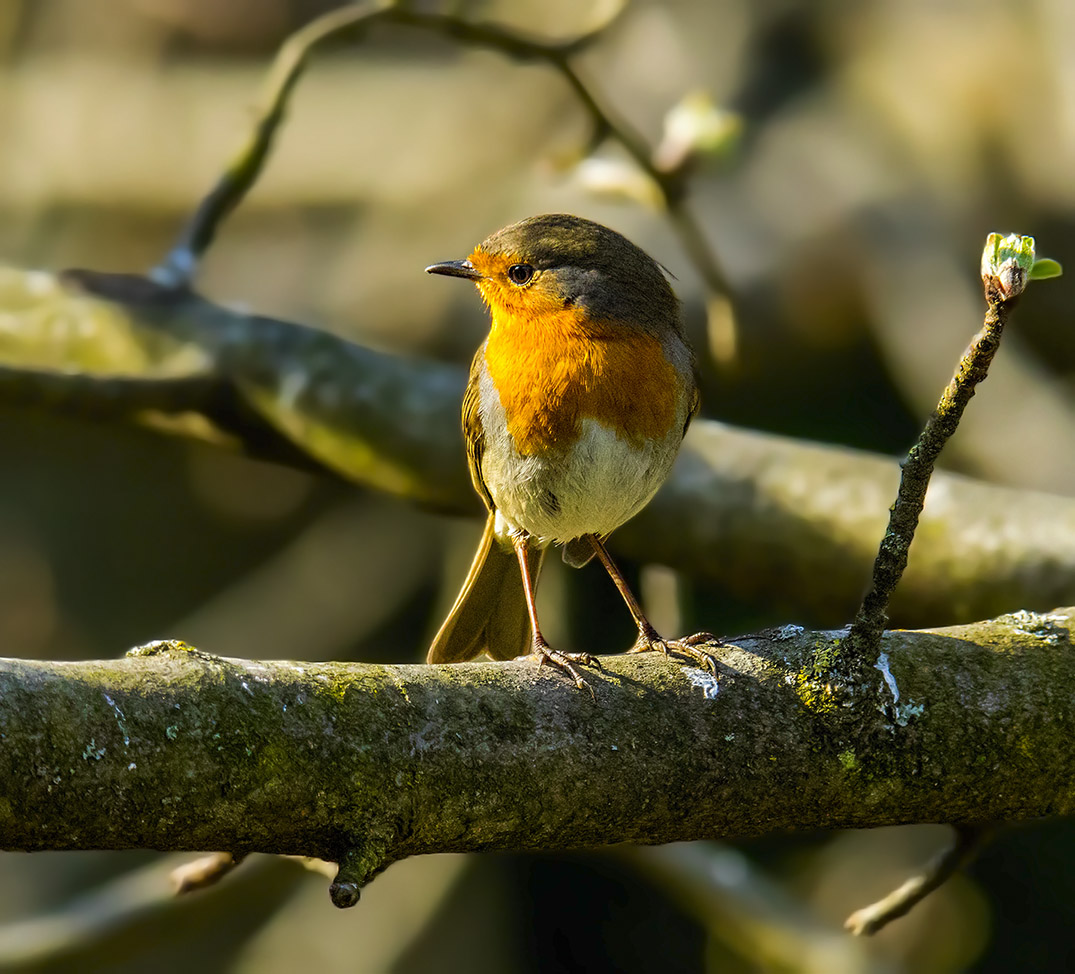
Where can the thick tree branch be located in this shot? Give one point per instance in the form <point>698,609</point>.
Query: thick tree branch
<point>765,516</point>
<point>364,765</point>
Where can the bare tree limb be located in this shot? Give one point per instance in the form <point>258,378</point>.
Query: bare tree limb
<point>765,516</point>
<point>173,749</point>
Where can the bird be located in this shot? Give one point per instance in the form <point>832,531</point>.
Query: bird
<point>574,411</point>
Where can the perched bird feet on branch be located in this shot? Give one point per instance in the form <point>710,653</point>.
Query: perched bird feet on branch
<point>650,641</point>
<point>543,653</point>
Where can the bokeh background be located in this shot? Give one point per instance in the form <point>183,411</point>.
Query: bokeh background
<point>880,141</point>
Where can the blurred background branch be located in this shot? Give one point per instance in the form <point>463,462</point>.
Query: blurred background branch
<point>745,908</point>
<point>125,920</point>
<point>95,927</point>
<point>246,167</point>
<point>967,843</point>
<point>765,516</point>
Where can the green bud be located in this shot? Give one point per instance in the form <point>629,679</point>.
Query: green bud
<point>1009,263</point>
<point>1000,249</point>
<point>1006,262</point>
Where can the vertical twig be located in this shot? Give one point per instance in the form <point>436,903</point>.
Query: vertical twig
<point>1005,272</point>
<point>917,469</point>
<point>1008,264</point>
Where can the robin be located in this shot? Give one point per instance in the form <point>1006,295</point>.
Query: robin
<point>576,406</point>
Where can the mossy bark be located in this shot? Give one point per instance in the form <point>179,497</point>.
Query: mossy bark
<point>170,748</point>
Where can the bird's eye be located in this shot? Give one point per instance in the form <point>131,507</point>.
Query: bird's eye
<point>520,274</point>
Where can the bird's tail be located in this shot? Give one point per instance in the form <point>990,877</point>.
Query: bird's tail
<point>489,614</point>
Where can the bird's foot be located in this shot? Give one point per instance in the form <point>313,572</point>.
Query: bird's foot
<point>568,662</point>
<point>650,641</point>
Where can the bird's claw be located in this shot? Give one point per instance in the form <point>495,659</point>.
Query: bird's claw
<point>652,642</point>
<point>568,662</point>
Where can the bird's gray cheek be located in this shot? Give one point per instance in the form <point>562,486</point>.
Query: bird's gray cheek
<point>582,288</point>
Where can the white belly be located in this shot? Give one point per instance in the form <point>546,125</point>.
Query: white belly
<point>590,488</point>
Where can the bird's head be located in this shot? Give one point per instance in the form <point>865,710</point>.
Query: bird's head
<point>547,264</point>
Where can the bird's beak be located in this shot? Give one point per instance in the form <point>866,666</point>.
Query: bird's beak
<point>455,268</point>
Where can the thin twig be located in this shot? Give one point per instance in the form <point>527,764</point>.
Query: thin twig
<point>671,183</point>
<point>206,871</point>
<point>861,644</point>
<point>969,841</point>
<point>178,267</point>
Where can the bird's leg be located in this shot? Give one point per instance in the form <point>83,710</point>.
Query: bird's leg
<point>520,541</point>
<point>649,640</point>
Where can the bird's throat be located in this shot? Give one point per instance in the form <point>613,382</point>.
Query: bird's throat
<point>553,370</point>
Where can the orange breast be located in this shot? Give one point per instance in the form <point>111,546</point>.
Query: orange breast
<point>556,369</point>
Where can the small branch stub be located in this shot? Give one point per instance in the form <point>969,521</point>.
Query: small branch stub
<point>204,872</point>
<point>357,867</point>
<point>344,892</point>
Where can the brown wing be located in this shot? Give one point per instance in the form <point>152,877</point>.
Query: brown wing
<point>473,434</point>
